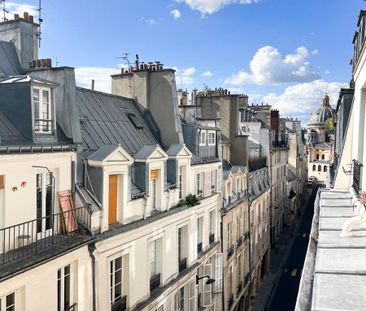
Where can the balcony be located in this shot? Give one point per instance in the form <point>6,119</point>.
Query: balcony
<point>356,181</point>
<point>239,242</point>
<point>199,248</point>
<point>257,164</point>
<point>43,126</point>
<point>43,238</point>
<point>182,264</point>
<point>230,251</point>
<point>154,281</point>
<point>211,238</point>
<point>120,305</point>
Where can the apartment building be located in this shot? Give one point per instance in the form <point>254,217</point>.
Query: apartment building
<point>332,278</point>
<point>116,212</point>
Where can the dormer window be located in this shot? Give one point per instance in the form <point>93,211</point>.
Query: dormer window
<point>203,138</point>
<point>42,110</point>
<point>211,138</point>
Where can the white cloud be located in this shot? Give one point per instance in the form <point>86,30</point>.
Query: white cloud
<point>175,13</point>
<point>101,76</point>
<point>304,98</point>
<point>315,51</point>
<point>148,21</point>
<point>185,75</point>
<point>212,6</point>
<point>18,8</point>
<point>269,67</point>
<point>207,74</point>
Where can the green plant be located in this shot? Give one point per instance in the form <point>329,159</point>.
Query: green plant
<point>181,203</point>
<point>191,200</point>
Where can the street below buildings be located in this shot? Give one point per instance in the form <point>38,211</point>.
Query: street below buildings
<point>285,293</point>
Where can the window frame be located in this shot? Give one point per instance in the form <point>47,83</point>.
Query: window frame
<point>211,138</point>
<point>111,288</point>
<point>61,304</point>
<point>3,301</point>
<point>40,118</point>
<point>203,138</point>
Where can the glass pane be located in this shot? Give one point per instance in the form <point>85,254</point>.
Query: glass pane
<point>117,291</point>
<point>59,291</point>
<point>49,191</point>
<point>10,300</point>
<point>118,277</point>
<point>67,291</point>
<point>67,270</point>
<point>39,202</point>
<point>36,103</point>
<point>118,262</point>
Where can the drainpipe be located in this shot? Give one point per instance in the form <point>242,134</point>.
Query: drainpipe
<point>222,251</point>
<point>91,249</point>
<point>250,249</point>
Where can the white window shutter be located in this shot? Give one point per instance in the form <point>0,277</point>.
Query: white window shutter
<point>207,289</point>
<point>192,296</point>
<point>219,272</point>
<point>207,184</point>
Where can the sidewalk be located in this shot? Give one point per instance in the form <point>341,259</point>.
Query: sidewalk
<point>278,257</point>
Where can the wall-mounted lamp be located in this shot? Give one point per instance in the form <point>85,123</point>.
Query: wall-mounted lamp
<point>209,280</point>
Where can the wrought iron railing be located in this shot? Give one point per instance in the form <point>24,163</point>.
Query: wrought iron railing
<point>246,236</point>
<point>199,248</point>
<point>182,264</point>
<point>230,251</point>
<point>356,182</point>
<point>239,242</point>
<point>120,305</point>
<point>154,281</point>
<point>256,164</point>
<point>31,237</point>
<point>211,238</point>
<point>43,126</point>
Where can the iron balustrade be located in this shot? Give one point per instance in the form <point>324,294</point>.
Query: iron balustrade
<point>120,305</point>
<point>256,164</point>
<point>239,242</point>
<point>356,182</point>
<point>199,248</point>
<point>30,237</point>
<point>154,281</point>
<point>182,264</point>
<point>211,238</point>
<point>230,251</point>
<point>43,126</point>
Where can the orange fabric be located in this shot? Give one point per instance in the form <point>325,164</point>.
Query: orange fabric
<point>154,174</point>
<point>113,182</point>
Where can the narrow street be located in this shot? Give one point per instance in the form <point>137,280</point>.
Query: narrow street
<point>284,296</point>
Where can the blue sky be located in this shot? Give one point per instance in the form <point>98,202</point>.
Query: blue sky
<point>284,52</point>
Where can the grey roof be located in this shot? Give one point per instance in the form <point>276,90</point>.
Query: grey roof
<point>175,149</point>
<point>9,62</point>
<point>9,134</point>
<point>323,145</point>
<point>25,79</point>
<point>236,168</point>
<point>145,152</point>
<point>290,175</point>
<point>103,152</point>
<point>253,145</point>
<point>225,174</point>
<point>104,121</point>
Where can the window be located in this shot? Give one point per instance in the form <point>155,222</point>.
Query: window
<point>211,138</point>
<point>238,228</point>
<point>317,156</point>
<point>154,185</point>
<point>325,168</point>
<point>182,248</point>
<point>115,277</point>
<point>319,168</point>
<point>323,157</point>
<point>314,167</point>
<point>199,184</point>
<point>199,234</point>
<point>153,259</point>
<point>202,138</point>
<point>213,180</point>
<point>135,121</point>
<point>229,239</point>
<point>179,300</point>
<point>64,288</point>
<point>180,181</point>
<point>44,204</point>
<point>42,109</point>
<point>212,222</point>
<point>8,302</point>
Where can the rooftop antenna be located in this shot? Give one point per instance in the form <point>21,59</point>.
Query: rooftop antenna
<point>40,21</point>
<point>4,10</point>
<point>124,57</point>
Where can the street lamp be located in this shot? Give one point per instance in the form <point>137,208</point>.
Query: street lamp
<point>209,280</point>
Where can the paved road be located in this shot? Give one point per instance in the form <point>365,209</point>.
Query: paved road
<point>284,298</point>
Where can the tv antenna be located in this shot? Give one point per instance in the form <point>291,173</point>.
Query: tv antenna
<point>4,10</point>
<point>40,21</point>
<point>124,57</point>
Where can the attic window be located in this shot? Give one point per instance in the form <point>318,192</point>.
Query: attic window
<point>135,121</point>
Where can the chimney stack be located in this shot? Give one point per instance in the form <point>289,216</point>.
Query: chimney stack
<point>92,84</point>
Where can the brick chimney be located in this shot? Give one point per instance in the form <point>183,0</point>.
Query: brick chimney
<point>23,33</point>
<point>275,118</point>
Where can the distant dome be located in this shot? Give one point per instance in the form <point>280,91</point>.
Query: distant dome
<point>324,113</point>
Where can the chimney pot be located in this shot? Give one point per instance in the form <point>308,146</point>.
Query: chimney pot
<point>16,17</point>
<point>26,16</point>
<point>49,62</point>
<point>31,19</point>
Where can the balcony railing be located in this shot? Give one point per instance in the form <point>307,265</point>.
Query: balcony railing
<point>239,288</point>
<point>256,164</point>
<point>230,251</point>
<point>120,305</point>
<point>246,280</point>
<point>43,126</point>
<point>31,237</point>
<point>74,307</point>
<point>199,248</point>
<point>239,242</point>
<point>356,182</point>
<point>211,238</point>
<point>154,281</point>
<point>246,236</point>
<point>182,264</point>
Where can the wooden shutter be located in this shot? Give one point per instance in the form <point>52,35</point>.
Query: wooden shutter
<point>207,289</point>
<point>218,272</point>
<point>207,184</point>
<point>1,181</point>
<point>192,296</point>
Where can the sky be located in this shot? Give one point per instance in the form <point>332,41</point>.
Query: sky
<point>287,53</point>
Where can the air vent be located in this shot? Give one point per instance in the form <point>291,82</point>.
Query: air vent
<point>135,121</point>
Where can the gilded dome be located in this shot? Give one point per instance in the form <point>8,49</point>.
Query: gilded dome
<point>324,113</point>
